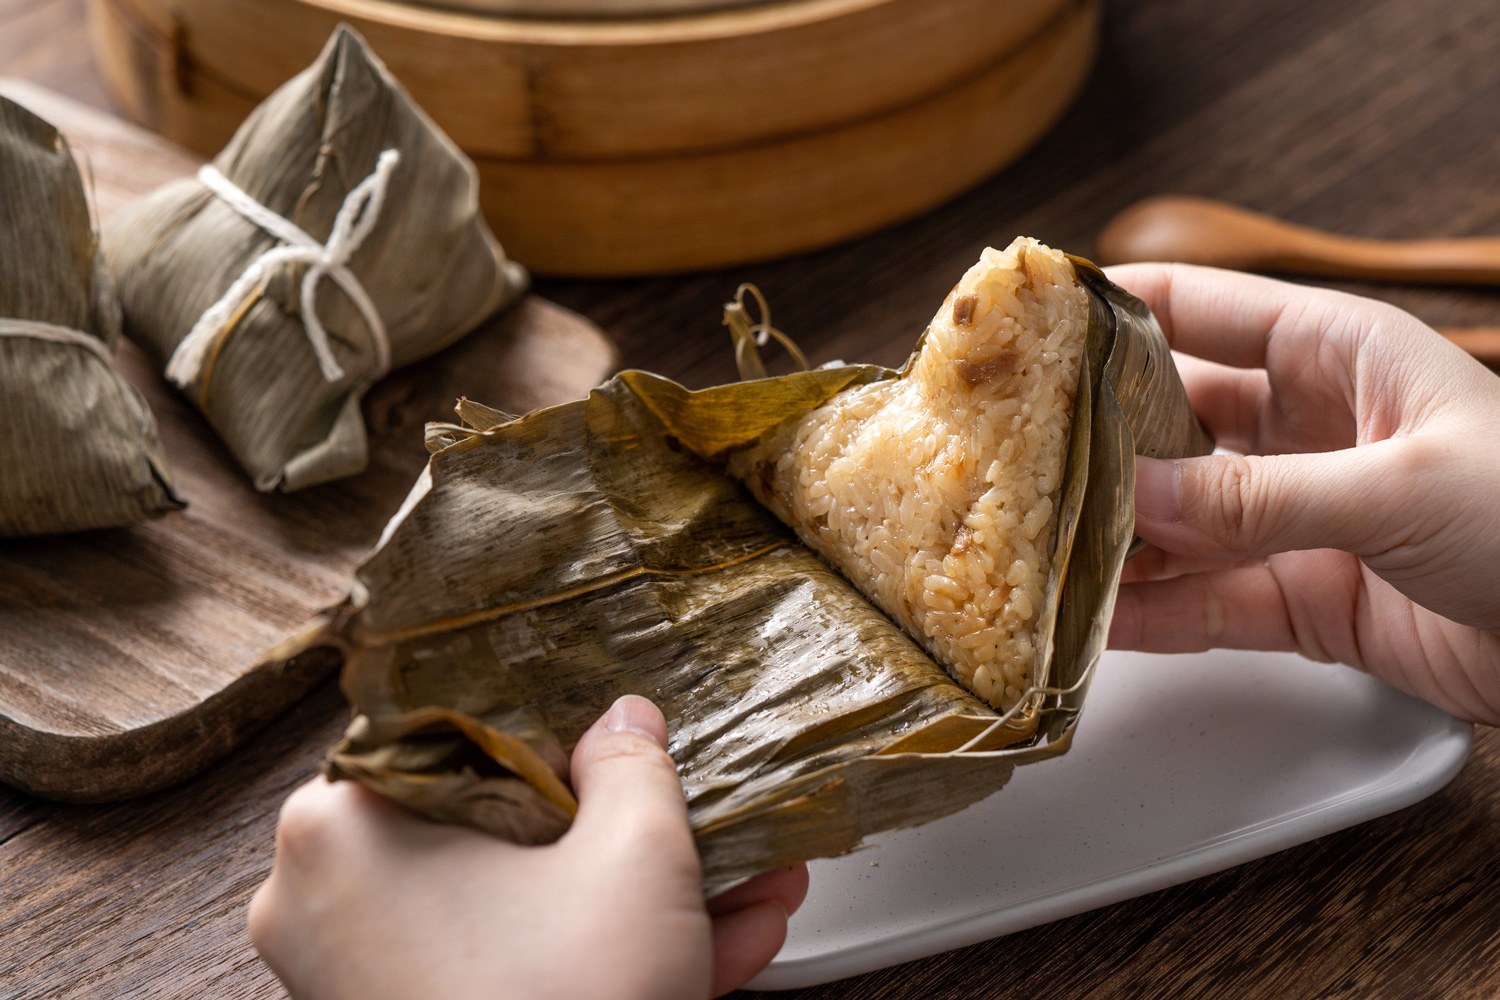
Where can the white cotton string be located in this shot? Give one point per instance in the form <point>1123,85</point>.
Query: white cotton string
<point>37,330</point>
<point>355,220</point>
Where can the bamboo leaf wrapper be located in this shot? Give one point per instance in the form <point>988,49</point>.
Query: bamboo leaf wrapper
<point>548,564</point>
<point>78,446</point>
<point>339,194</point>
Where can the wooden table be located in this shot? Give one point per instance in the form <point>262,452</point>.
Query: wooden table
<point>1374,117</point>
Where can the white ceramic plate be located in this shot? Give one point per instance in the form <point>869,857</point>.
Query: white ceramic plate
<point>1183,766</point>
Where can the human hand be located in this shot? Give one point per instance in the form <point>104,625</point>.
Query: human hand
<point>366,900</point>
<point>1360,523</point>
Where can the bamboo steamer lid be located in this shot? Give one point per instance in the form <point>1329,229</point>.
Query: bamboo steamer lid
<point>621,146</point>
<point>567,88</point>
<point>663,215</point>
<point>585,8</point>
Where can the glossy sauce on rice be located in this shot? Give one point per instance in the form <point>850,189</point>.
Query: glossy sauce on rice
<point>935,493</point>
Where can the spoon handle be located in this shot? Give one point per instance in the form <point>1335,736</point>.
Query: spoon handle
<point>1203,231</point>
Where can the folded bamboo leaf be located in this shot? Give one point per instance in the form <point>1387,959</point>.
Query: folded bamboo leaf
<point>78,446</point>
<point>545,565</point>
<point>337,236</point>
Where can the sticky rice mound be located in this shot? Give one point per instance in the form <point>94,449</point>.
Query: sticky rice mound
<point>936,493</point>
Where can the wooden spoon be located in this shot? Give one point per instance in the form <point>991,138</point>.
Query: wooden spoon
<point>1203,231</point>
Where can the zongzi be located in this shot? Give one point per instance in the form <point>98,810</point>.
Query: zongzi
<point>78,446</point>
<point>546,564</point>
<point>935,493</point>
<point>337,175</point>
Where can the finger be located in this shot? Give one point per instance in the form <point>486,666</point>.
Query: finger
<point>265,920</point>
<point>1153,563</point>
<point>1237,506</point>
<point>1232,403</point>
<point>1300,602</point>
<point>1232,318</point>
<point>745,941</point>
<point>1236,608</point>
<point>1252,411</point>
<point>622,774</point>
<point>1300,407</point>
<point>322,834</point>
<point>308,828</point>
<point>787,886</point>
<point>324,825</point>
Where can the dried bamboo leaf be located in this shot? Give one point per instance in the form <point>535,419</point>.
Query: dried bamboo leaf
<point>546,565</point>
<point>429,265</point>
<point>78,446</point>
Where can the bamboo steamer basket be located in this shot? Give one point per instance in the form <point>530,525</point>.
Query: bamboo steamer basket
<point>633,146</point>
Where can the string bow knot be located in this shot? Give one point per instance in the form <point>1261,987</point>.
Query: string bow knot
<point>355,220</point>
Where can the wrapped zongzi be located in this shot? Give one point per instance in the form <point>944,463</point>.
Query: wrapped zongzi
<point>336,237</point>
<point>78,446</point>
<point>547,564</point>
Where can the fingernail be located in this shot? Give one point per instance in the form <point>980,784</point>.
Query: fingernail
<point>1158,489</point>
<point>634,714</point>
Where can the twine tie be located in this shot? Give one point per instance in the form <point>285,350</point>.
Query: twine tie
<point>355,220</point>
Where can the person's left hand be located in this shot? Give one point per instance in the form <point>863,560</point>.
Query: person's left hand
<point>367,900</point>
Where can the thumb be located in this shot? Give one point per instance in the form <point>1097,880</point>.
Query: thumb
<point>1238,506</point>
<point>621,768</point>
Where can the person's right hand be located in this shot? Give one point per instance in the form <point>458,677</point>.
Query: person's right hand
<point>1362,521</point>
<point>368,900</point>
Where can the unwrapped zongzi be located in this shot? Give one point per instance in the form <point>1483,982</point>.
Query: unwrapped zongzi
<point>336,237</point>
<point>78,446</point>
<point>936,493</point>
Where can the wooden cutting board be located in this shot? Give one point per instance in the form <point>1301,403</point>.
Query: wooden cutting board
<point>132,658</point>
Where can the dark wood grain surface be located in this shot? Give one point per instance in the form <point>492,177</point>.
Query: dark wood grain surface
<point>132,659</point>
<point>1374,117</point>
